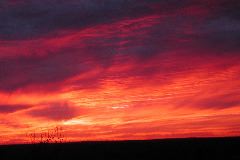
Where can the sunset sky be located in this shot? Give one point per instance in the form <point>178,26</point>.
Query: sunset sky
<point>119,69</point>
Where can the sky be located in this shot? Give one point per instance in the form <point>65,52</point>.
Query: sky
<point>119,69</point>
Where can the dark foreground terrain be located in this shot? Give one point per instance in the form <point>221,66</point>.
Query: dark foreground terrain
<point>192,148</point>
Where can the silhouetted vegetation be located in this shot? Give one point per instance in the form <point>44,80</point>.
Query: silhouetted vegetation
<point>54,135</point>
<point>187,149</point>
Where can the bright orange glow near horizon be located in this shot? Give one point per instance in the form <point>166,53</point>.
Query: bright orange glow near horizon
<point>152,71</point>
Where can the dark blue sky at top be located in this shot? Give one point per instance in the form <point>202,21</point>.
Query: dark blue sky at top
<point>206,28</point>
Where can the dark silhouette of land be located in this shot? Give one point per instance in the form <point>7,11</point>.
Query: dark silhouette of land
<point>187,149</point>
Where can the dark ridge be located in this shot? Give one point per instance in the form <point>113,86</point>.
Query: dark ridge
<point>184,148</point>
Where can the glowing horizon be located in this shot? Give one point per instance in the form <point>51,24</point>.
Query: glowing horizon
<point>119,70</point>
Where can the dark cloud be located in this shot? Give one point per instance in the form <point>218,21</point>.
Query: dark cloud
<point>12,108</point>
<point>218,103</point>
<point>227,100</point>
<point>220,34</point>
<point>56,111</point>
<point>33,19</point>
<point>37,18</point>
<point>22,71</point>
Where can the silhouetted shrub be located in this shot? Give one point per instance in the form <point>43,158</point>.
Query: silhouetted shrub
<point>54,135</point>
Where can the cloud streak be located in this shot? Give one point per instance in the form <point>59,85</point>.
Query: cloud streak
<point>4,109</point>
